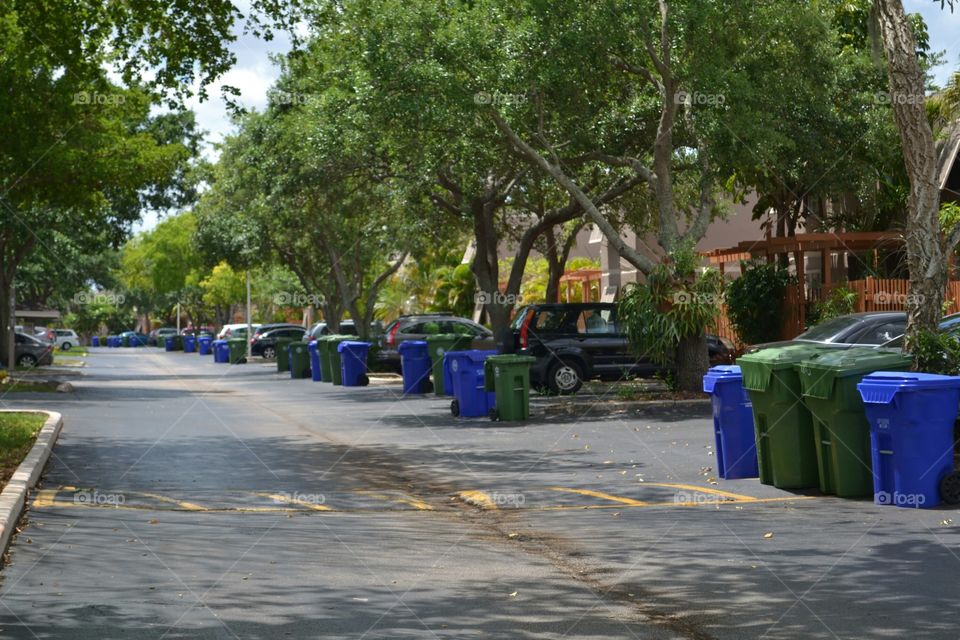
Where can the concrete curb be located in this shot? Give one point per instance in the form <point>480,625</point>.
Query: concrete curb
<point>616,407</point>
<point>14,496</point>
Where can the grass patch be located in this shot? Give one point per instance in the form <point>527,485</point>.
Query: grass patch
<point>9,385</point>
<point>80,352</point>
<point>17,433</point>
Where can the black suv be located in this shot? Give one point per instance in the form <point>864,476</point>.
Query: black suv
<point>419,326</point>
<point>574,342</point>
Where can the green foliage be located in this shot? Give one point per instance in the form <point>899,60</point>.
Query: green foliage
<point>455,291</point>
<point>678,300</point>
<point>755,301</point>
<point>937,352</point>
<point>840,302</point>
<point>224,286</point>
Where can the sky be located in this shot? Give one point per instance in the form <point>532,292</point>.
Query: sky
<point>254,73</point>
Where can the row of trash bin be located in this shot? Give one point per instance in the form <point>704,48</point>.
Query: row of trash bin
<point>852,423</point>
<point>481,383</point>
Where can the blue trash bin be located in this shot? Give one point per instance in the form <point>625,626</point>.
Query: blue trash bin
<point>95,341</point>
<point>447,375</point>
<point>315,373</point>
<point>353,363</point>
<point>168,344</point>
<point>470,398</point>
<point>911,419</point>
<point>204,345</point>
<point>221,351</point>
<point>736,444</point>
<point>415,365</point>
<point>189,344</point>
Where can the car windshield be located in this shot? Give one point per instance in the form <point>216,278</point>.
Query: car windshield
<point>828,330</point>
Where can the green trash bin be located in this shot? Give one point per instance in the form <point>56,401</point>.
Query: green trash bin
<point>299,359</point>
<point>238,350</point>
<point>840,427</point>
<point>439,344</point>
<point>331,342</point>
<point>326,374</point>
<point>508,376</point>
<point>283,358</point>
<point>786,451</point>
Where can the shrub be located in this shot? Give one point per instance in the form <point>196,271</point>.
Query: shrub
<point>935,352</point>
<point>840,302</point>
<point>755,301</point>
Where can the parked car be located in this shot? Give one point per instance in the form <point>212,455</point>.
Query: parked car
<point>235,330</point>
<point>573,342</point>
<point>135,337</point>
<point>265,344</point>
<point>66,339</point>
<point>198,331</point>
<point>31,351</point>
<point>871,328</point>
<point>419,326</point>
<point>158,337</point>
<point>347,328</point>
<point>275,325</point>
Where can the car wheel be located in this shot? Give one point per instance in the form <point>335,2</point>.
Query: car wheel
<point>564,377</point>
<point>269,353</point>
<point>27,360</point>
<point>66,346</point>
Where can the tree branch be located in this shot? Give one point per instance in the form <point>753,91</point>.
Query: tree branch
<point>634,257</point>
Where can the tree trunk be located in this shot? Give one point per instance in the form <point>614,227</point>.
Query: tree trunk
<point>926,255</point>
<point>7,322</point>
<point>692,362</point>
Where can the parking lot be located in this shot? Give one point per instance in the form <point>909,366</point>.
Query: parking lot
<point>187,499</point>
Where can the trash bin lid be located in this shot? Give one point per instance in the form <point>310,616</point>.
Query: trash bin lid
<point>721,373</point>
<point>406,345</point>
<point>443,342</point>
<point>819,373</point>
<point>759,366</point>
<point>344,345</point>
<point>882,386</point>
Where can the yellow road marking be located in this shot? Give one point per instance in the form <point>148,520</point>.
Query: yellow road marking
<point>602,495</point>
<point>693,487</point>
<point>45,498</point>
<point>673,504</point>
<point>292,500</point>
<point>478,499</point>
<point>408,500</point>
<point>187,506</point>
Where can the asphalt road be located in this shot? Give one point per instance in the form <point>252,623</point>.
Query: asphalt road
<point>188,499</point>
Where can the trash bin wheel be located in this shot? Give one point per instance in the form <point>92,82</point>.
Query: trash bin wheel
<point>364,380</point>
<point>950,487</point>
<point>494,415</point>
<point>455,408</point>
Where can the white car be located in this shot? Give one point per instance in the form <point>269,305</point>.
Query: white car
<point>66,339</point>
<point>238,330</point>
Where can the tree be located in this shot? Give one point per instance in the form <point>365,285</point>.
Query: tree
<point>78,151</point>
<point>927,249</point>
<point>222,288</point>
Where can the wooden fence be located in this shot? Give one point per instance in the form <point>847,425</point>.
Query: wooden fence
<point>873,294</point>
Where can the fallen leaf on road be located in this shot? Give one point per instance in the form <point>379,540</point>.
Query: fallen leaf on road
<point>616,514</point>
<point>768,535</point>
<point>513,595</point>
<point>152,521</point>
<point>362,599</point>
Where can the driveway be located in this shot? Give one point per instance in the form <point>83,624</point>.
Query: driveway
<point>193,499</point>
